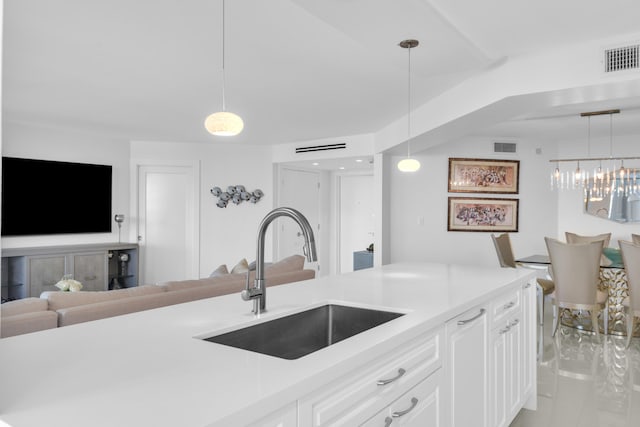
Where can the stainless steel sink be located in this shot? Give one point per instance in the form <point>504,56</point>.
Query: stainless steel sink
<point>299,334</point>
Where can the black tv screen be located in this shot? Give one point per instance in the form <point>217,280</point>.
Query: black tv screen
<point>41,197</point>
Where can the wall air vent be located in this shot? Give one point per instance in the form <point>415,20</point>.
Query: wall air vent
<point>504,147</point>
<point>321,147</point>
<point>622,58</point>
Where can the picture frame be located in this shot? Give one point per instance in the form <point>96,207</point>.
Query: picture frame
<point>482,214</point>
<point>483,176</point>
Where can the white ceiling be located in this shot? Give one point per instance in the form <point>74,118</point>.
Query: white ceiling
<point>295,69</point>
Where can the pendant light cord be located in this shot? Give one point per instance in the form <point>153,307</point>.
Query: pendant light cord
<point>224,108</point>
<point>409,106</point>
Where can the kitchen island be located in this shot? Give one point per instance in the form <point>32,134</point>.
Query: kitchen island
<point>153,369</point>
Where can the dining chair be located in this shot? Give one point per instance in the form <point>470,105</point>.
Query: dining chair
<point>506,259</point>
<point>576,238</point>
<point>635,238</point>
<point>631,260</point>
<point>576,274</point>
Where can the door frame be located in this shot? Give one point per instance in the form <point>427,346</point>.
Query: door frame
<point>134,230</point>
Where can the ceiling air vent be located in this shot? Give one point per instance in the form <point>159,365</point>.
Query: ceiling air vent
<point>504,147</point>
<point>321,147</point>
<point>622,58</point>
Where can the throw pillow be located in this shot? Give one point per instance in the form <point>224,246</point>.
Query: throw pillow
<point>220,271</point>
<point>241,267</point>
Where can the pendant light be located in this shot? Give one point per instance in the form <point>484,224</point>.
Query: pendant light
<point>224,123</point>
<point>409,164</point>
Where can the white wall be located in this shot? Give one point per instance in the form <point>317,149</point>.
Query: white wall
<point>226,235</point>
<point>418,206</point>
<point>29,141</point>
<point>571,215</point>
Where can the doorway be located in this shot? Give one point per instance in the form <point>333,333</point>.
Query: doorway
<point>300,190</point>
<point>356,220</point>
<point>167,226</point>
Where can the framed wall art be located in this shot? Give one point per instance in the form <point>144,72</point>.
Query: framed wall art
<point>481,214</point>
<point>483,176</point>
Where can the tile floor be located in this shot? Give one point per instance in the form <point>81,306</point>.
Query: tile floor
<point>583,382</point>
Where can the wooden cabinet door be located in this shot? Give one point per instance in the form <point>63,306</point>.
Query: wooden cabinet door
<point>44,273</point>
<point>467,369</point>
<point>90,269</point>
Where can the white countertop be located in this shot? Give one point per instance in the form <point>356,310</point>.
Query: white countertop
<point>147,369</point>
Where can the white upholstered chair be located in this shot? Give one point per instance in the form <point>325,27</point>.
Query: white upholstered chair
<point>576,274</point>
<point>631,260</point>
<point>635,238</point>
<point>506,259</point>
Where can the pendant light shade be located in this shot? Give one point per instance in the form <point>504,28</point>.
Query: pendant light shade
<point>409,164</point>
<point>223,123</point>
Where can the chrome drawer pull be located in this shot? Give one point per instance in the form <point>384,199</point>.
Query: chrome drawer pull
<point>505,330</point>
<point>464,322</point>
<point>509,305</point>
<point>401,372</point>
<point>515,322</point>
<point>388,421</point>
<point>527,286</point>
<point>414,402</point>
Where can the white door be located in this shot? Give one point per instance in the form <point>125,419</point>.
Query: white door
<point>356,217</point>
<point>299,190</point>
<point>168,210</point>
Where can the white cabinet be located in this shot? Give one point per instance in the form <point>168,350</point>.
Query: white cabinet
<point>466,369</point>
<point>361,395</point>
<point>512,354</point>
<point>529,331</point>
<point>420,406</point>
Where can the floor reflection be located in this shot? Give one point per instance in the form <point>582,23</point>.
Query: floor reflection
<point>583,381</point>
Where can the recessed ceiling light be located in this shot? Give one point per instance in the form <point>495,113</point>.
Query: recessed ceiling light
<point>315,163</point>
<point>341,167</point>
<point>358,160</point>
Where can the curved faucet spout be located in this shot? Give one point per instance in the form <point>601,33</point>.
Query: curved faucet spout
<point>259,292</point>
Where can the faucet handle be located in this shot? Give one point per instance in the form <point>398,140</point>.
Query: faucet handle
<point>249,294</point>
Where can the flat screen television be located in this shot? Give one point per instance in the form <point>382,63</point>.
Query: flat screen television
<point>43,197</point>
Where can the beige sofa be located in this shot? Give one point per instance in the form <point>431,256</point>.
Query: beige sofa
<point>55,309</point>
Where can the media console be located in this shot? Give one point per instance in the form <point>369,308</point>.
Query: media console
<point>27,272</point>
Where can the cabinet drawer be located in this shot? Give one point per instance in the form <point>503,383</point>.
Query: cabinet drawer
<point>353,400</point>
<point>420,406</point>
<point>504,306</point>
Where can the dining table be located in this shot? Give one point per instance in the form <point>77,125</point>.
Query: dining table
<point>613,281</point>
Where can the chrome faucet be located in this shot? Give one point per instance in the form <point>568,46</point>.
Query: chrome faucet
<point>259,291</point>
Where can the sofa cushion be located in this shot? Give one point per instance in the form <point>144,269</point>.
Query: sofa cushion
<point>59,300</point>
<point>176,285</point>
<point>21,306</point>
<point>25,323</point>
<point>290,263</point>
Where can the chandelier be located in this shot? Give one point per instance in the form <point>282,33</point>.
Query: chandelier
<point>597,179</point>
